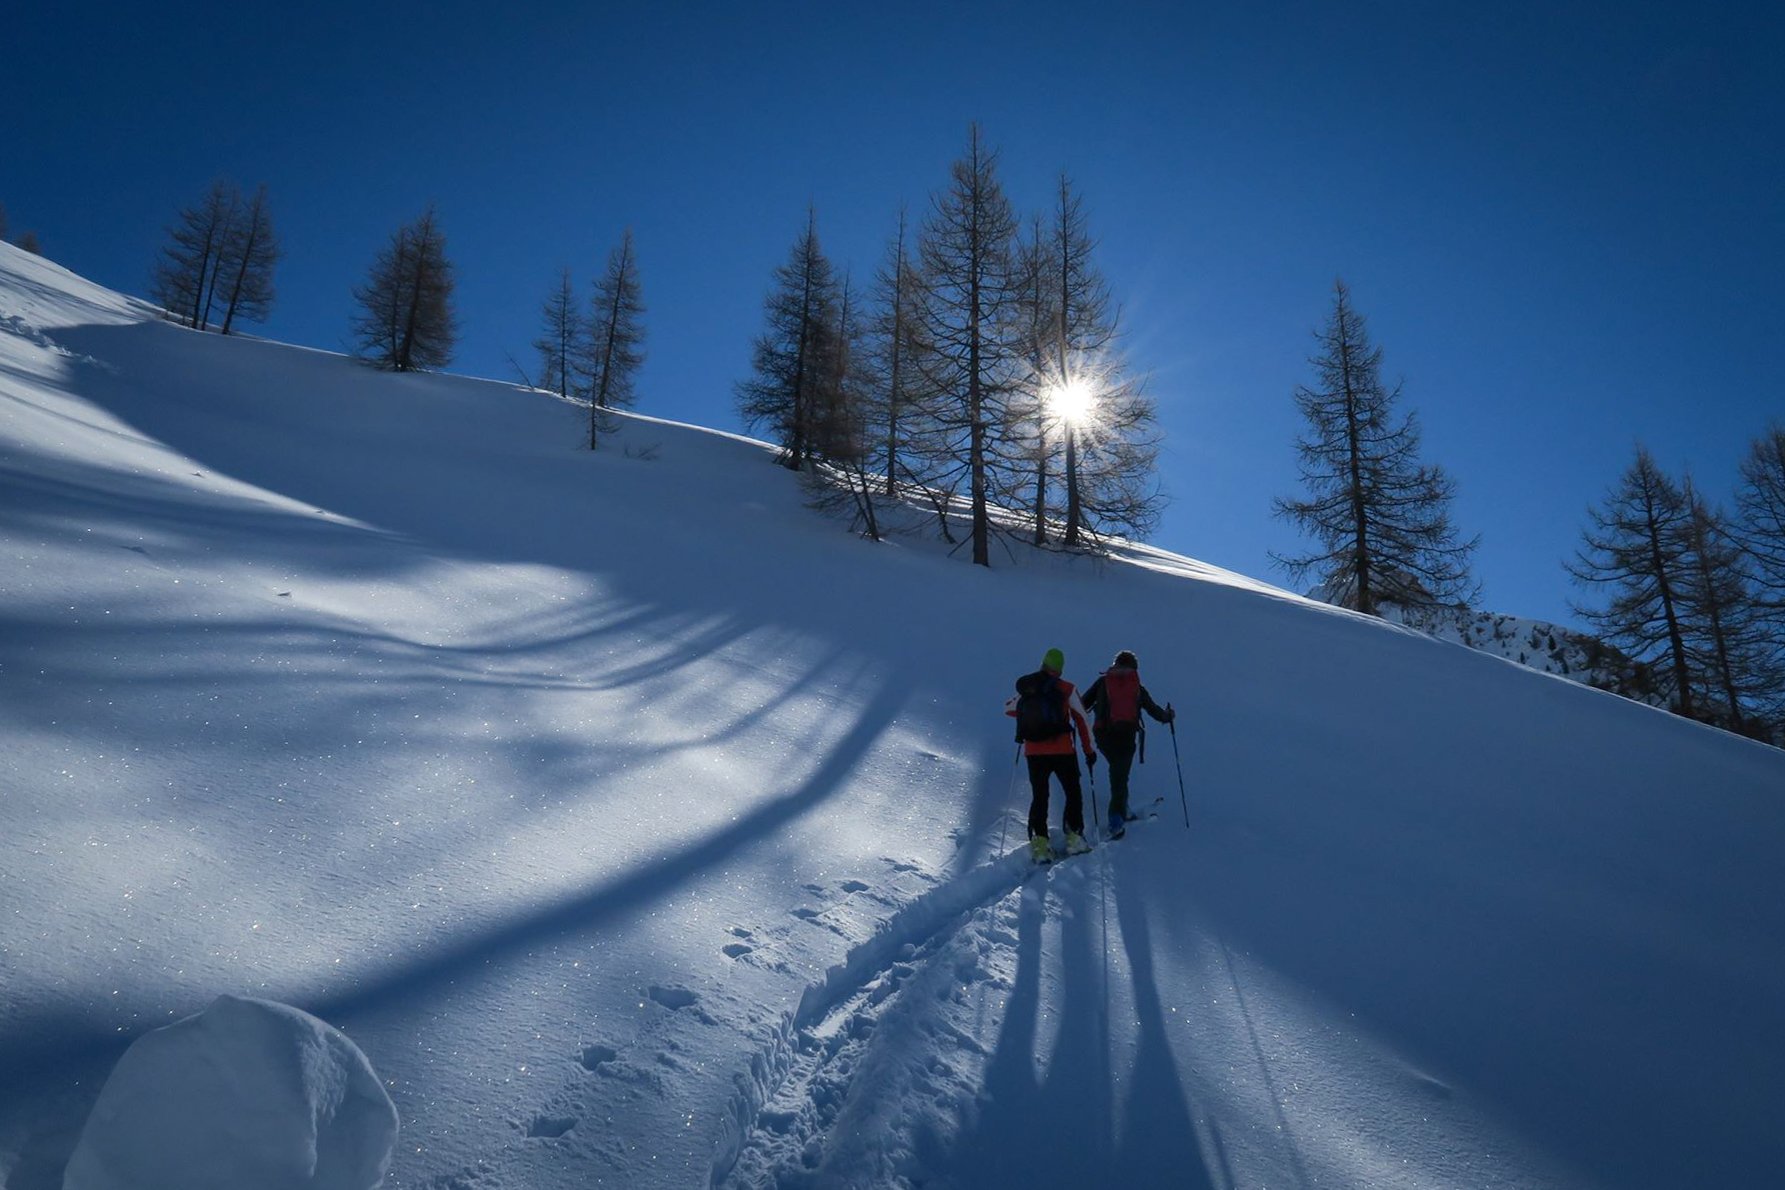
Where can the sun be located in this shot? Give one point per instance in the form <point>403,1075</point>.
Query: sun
<point>1072,402</point>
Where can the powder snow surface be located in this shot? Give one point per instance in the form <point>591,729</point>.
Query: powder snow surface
<point>643,828</point>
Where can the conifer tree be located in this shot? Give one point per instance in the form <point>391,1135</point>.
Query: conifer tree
<point>3,227</point>
<point>1760,505</point>
<point>971,293</point>
<point>1037,322</point>
<point>789,358</point>
<point>893,394</point>
<point>1725,636</point>
<point>250,250</point>
<point>1636,551</point>
<point>841,432</point>
<point>405,321</point>
<point>30,243</point>
<point>185,278</point>
<point>839,424</point>
<point>1111,449</point>
<point>617,337</point>
<point>1380,516</point>
<point>560,341</point>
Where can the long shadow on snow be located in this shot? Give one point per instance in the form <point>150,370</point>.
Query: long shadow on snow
<point>612,901</point>
<point>52,1045</point>
<point>1570,1036</point>
<point>1157,1119</point>
<point>1062,1129</point>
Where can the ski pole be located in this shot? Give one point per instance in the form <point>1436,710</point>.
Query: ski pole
<point>1096,814</point>
<point>1004,831</point>
<point>1173,724</point>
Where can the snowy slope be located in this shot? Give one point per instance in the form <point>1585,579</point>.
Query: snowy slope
<point>639,824</point>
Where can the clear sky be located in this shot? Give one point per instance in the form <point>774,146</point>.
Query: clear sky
<point>1565,222</point>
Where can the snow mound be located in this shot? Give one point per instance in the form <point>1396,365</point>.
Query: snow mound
<point>246,1094</point>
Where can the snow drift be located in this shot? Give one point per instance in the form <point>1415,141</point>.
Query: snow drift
<point>246,1093</point>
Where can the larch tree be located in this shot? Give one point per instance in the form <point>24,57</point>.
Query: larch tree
<point>1725,635</point>
<point>1104,416</point>
<point>616,343</point>
<point>1760,508</point>
<point>893,393</point>
<point>250,250</point>
<point>405,321</point>
<point>1636,551</point>
<point>788,359</point>
<point>972,359</point>
<point>184,281</point>
<point>844,422</point>
<point>561,333</point>
<point>1381,518</point>
<point>1033,410</point>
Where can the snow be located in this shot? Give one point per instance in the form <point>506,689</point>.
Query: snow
<point>245,1093</point>
<point>642,827</point>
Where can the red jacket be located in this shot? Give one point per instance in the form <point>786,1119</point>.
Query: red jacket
<point>1060,745</point>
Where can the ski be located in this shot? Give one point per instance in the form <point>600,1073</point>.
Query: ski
<point>1148,810</point>
<point>1053,854</point>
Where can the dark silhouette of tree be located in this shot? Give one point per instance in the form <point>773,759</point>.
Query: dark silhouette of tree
<point>840,479</point>
<point>1037,323</point>
<point>1636,552</point>
<point>838,429</point>
<point>405,321</point>
<point>250,250</point>
<point>184,281</point>
<point>560,340</point>
<point>3,227</point>
<point>788,359</point>
<point>1111,448</point>
<point>971,292</point>
<point>1726,637</point>
<point>1380,516</point>
<point>617,337</point>
<point>1760,507</point>
<point>29,242</point>
<point>892,393</point>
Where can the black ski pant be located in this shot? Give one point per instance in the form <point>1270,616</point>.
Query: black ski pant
<point>1063,765</point>
<point>1118,747</point>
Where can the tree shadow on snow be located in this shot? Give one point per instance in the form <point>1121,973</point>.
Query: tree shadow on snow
<point>611,902</point>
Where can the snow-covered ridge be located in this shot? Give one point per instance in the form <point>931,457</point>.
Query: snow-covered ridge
<point>1535,644</point>
<point>636,822</point>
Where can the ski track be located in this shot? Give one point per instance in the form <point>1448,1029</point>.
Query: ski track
<point>953,935</point>
<point>933,950</point>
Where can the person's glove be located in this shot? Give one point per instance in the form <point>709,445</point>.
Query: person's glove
<point>1171,715</point>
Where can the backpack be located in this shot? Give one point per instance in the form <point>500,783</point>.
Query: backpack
<point>1040,707</point>
<point>1121,697</point>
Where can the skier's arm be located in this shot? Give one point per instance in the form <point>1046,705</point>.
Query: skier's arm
<point>1092,695</point>
<point>1154,709</point>
<point>1075,711</point>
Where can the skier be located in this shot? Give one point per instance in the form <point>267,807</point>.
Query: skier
<point>1047,711</point>
<point>1116,700</point>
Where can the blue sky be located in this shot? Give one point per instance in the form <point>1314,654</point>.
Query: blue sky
<point>1564,222</point>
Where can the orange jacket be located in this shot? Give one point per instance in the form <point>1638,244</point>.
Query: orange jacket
<point>1060,745</point>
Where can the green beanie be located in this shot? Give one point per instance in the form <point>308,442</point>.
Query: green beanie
<point>1054,662</point>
